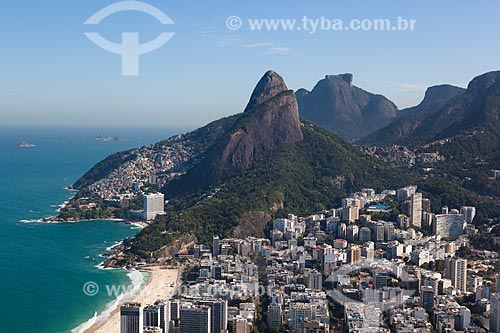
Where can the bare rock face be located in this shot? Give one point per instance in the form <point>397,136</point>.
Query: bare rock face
<point>269,86</point>
<point>270,121</point>
<point>346,110</point>
<point>252,224</point>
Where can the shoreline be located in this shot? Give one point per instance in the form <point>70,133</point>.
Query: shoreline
<point>57,219</point>
<point>161,285</point>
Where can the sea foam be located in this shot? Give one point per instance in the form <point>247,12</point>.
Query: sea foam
<point>137,279</point>
<point>38,221</point>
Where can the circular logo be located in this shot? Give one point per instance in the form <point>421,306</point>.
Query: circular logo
<point>234,23</point>
<point>91,288</point>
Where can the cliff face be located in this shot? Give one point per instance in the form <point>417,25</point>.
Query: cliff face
<point>338,106</point>
<point>269,86</point>
<point>263,130</point>
<point>270,120</point>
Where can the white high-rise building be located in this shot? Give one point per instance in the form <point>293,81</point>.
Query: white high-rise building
<point>164,314</point>
<point>154,204</point>
<point>314,280</point>
<point>241,325</point>
<point>174,311</point>
<point>352,233</point>
<point>416,210</point>
<point>458,273</point>
<point>131,320</point>
<point>218,314</point>
<point>468,212</point>
<point>403,221</point>
<point>449,225</point>
<point>405,192</point>
<point>350,213</point>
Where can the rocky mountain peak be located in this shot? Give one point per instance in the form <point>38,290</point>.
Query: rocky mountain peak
<point>443,91</point>
<point>337,105</point>
<point>270,121</point>
<point>347,78</point>
<point>269,86</point>
<point>483,83</point>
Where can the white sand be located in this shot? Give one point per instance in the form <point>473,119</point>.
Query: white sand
<point>159,287</point>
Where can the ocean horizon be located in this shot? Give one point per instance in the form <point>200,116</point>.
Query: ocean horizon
<point>44,266</point>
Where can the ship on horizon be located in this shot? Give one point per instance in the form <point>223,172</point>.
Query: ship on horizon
<point>25,144</point>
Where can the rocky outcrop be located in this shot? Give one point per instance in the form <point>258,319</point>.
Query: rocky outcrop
<point>270,121</point>
<point>269,86</point>
<point>271,125</point>
<point>252,224</point>
<point>180,244</point>
<point>338,106</point>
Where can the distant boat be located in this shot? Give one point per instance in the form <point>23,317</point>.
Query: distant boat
<point>25,144</point>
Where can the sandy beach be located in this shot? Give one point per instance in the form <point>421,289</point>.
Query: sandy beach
<point>159,287</point>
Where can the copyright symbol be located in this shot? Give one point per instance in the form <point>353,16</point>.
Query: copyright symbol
<point>234,23</point>
<point>90,289</point>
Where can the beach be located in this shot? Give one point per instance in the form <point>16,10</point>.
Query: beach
<point>161,285</point>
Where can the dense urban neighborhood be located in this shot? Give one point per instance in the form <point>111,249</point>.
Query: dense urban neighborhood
<point>347,269</point>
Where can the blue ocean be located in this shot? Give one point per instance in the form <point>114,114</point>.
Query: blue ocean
<point>43,266</point>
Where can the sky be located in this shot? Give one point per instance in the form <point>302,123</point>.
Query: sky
<point>51,74</point>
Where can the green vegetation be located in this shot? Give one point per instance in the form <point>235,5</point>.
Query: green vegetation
<point>466,132</point>
<point>301,178</point>
<point>88,206</point>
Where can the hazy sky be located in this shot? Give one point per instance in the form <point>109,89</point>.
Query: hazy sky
<point>51,74</point>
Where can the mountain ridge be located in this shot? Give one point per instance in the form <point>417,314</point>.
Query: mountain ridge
<point>463,136</point>
<point>435,97</point>
<point>310,172</point>
<point>409,119</point>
